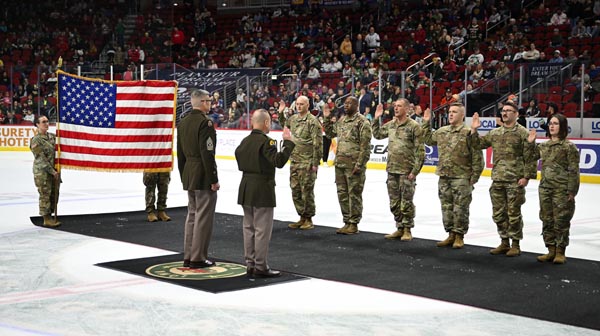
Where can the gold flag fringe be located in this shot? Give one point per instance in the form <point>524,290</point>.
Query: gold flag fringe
<point>114,170</point>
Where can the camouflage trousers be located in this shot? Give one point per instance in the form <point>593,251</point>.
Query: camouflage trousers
<point>455,196</point>
<point>401,191</point>
<point>349,189</point>
<point>302,183</point>
<point>48,190</point>
<point>507,198</point>
<point>152,181</point>
<point>556,212</point>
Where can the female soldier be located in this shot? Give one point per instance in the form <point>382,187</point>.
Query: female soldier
<point>44,174</point>
<point>558,187</point>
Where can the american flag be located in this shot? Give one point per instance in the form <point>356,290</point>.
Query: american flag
<point>115,126</point>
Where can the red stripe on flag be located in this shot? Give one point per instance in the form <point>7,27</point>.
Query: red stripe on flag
<point>143,124</point>
<point>145,110</point>
<point>115,165</point>
<point>145,96</point>
<point>114,138</point>
<point>152,83</point>
<point>116,152</point>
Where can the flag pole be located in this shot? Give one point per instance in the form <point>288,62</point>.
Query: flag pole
<point>57,179</point>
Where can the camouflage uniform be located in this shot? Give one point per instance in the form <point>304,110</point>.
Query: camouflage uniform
<point>560,177</point>
<point>307,134</point>
<point>459,167</point>
<point>406,154</point>
<point>42,147</point>
<point>152,181</point>
<point>512,161</point>
<point>353,150</point>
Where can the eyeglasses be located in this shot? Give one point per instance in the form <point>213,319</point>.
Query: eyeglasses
<point>509,111</point>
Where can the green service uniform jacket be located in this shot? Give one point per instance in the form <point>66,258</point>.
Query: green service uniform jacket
<point>196,141</point>
<point>257,156</point>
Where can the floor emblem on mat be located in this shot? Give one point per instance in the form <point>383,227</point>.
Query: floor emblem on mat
<point>175,270</point>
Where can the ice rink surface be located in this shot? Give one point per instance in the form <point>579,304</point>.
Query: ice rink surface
<point>50,286</point>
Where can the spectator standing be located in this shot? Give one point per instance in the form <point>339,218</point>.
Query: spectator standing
<point>346,48</point>
<point>372,39</point>
<point>359,45</point>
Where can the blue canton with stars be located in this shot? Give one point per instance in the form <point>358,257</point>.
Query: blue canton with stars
<point>87,103</point>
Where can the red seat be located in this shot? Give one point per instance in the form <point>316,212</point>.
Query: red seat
<point>556,89</point>
<point>555,98</point>
<point>570,110</point>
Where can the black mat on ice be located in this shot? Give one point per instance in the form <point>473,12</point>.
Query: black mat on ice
<point>215,285</point>
<point>567,293</point>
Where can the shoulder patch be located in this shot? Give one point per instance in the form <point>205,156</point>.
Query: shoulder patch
<point>272,142</point>
<point>210,146</point>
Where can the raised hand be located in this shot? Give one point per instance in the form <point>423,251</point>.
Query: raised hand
<point>427,115</point>
<point>532,135</point>
<point>326,111</point>
<point>379,111</point>
<point>281,106</point>
<point>287,135</point>
<point>475,122</point>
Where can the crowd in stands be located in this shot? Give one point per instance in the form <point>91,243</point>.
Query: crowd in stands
<point>323,53</point>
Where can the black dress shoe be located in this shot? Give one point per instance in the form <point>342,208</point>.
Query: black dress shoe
<point>202,264</point>
<point>250,271</point>
<point>186,263</point>
<point>269,273</point>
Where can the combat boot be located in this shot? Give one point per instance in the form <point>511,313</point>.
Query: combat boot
<point>395,235</point>
<point>342,229</point>
<point>560,257</point>
<point>448,241</point>
<point>502,248</point>
<point>548,256</point>
<point>458,241</point>
<point>351,229</point>
<point>298,224</point>
<point>406,236</point>
<point>308,224</point>
<point>515,250</point>
<point>50,222</point>
<point>152,217</point>
<point>163,216</point>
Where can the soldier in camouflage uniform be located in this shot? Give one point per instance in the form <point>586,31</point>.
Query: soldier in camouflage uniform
<point>307,134</point>
<point>406,154</point>
<point>459,167</point>
<point>152,181</point>
<point>45,176</point>
<point>353,132</point>
<point>513,167</point>
<point>558,188</point>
